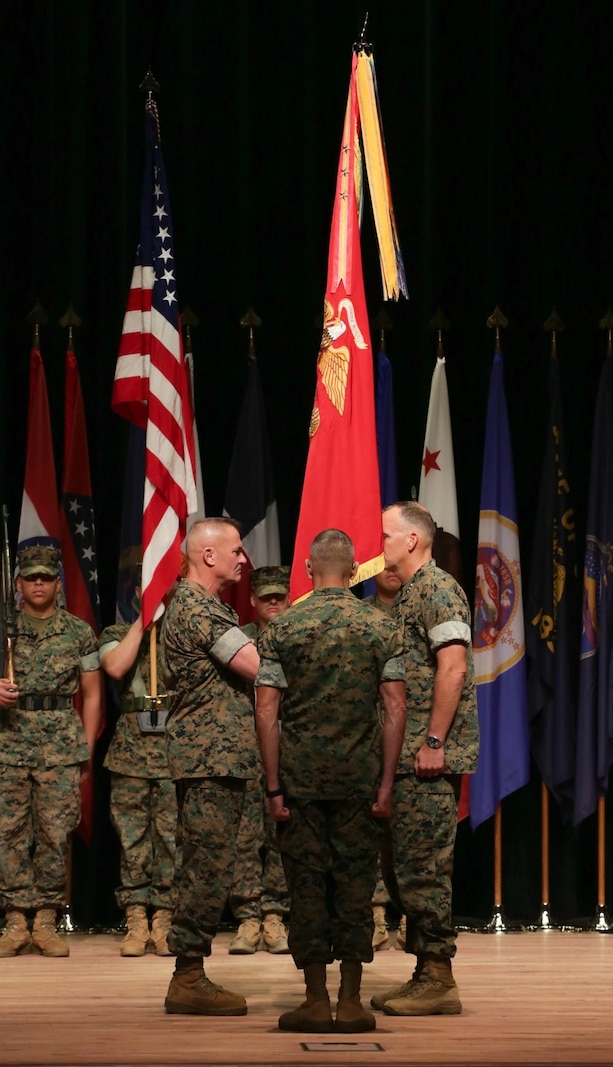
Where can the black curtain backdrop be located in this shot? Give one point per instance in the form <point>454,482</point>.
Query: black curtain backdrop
<point>499,132</point>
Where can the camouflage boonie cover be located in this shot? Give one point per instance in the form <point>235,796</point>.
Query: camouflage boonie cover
<point>432,610</point>
<point>48,662</point>
<point>210,730</point>
<point>331,651</point>
<point>132,752</point>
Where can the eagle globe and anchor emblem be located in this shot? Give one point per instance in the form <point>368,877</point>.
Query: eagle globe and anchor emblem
<point>498,619</point>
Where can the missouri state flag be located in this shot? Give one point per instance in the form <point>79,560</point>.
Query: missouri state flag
<point>341,482</point>
<point>498,624</point>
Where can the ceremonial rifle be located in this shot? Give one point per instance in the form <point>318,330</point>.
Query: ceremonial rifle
<point>9,619</point>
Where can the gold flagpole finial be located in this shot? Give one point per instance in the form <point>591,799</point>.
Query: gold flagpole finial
<point>606,323</point>
<point>438,323</point>
<point>498,321</point>
<point>37,318</point>
<point>382,322</point>
<point>554,326</point>
<point>71,320</point>
<point>189,319</point>
<point>253,321</point>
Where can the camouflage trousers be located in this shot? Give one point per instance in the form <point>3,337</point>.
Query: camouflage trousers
<point>417,861</point>
<point>329,850</point>
<point>209,813</point>
<point>259,885</point>
<point>39,809</point>
<point>144,814</point>
<point>380,896</point>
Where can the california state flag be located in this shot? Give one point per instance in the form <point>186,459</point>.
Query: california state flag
<point>437,489</point>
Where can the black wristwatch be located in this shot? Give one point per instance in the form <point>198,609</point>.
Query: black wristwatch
<point>434,742</point>
<point>270,793</point>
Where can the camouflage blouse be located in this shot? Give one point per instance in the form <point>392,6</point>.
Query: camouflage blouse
<point>329,654</point>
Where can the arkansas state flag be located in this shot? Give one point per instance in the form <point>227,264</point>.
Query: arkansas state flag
<point>78,534</point>
<point>39,521</point>
<point>341,481</point>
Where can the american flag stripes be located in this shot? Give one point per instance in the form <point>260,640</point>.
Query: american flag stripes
<point>151,387</point>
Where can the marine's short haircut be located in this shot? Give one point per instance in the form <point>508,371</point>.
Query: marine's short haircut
<point>209,527</point>
<point>334,549</point>
<point>416,515</point>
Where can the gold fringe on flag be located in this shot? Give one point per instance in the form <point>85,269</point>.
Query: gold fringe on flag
<point>390,256</point>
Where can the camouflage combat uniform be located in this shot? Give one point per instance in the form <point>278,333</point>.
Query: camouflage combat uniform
<point>211,750</point>
<point>380,897</point>
<point>329,654</point>
<point>431,611</point>
<point>40,756</point>
<point>143,796</point>
<point>259,887</point>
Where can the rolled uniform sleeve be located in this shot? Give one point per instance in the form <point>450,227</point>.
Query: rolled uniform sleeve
<point>446,632</point>
<point>226,647</point>
<point>270,671</point>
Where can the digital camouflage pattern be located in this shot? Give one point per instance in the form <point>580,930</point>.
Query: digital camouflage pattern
<point>259,885</point>
<point>251,629</point>
<point>39,559</point>
<point>330,846</point>
<point>143,796</point>
<point>417,861</point>
<point>48,660</point>
<point>144,814</point>
<point>132,752</point>
<point>382,605</point>
<point>34,835</point>
<point>328,654</point>
<point>432,610</point>
<point>209,811</point>
<point>210,730</point>
<point>271,579</point>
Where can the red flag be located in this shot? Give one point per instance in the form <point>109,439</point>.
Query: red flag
<point>39,520</point>
<point>341,482</point>
<point>151,387</point>
<point>78,534</point>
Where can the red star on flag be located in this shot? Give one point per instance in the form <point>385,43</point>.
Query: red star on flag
<point>429,461</point>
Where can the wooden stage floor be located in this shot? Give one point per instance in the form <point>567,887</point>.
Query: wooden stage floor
<point>529,998</point>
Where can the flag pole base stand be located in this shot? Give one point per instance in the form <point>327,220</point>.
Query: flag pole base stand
<point>544,920</point>
<point>602,923</point>
<point>66,924</point>
<point>499,924</point>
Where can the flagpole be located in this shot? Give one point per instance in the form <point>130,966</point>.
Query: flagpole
<point>37,318</point>
<point>498,922</point>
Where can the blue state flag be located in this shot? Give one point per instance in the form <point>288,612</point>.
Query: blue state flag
<point>594,752</point>
<point>386,444</point>
<point>498,625</point>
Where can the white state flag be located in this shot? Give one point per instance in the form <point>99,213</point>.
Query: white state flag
<point>437,491</point>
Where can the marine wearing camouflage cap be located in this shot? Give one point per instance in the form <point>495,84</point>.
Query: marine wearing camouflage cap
<point>39,559</point>
<point>265,581</point>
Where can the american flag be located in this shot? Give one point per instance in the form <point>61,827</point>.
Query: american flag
<point>151,388</point>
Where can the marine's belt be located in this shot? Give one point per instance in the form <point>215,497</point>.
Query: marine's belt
<point>44,702</point>
<point>145,703</point>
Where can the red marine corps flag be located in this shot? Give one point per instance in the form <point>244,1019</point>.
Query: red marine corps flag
<point>151,387</point>
<point>341,481</point>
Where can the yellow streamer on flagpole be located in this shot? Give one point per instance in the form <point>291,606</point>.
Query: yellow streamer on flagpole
<point>392,269</point>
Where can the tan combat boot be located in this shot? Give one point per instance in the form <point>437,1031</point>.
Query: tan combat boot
<point>380,937</point>
<point>191,993</point>
<point>137,938</point>
<point>380,999</point>
<point>351,1017</point>
<point>314,1015</point>
<point>274,934</point>
<point>435,993</point>
<point>160,928</point>
<point>45,936</point>
<point>16,937</point>
<point>247,938</point>
<point>401,935</point>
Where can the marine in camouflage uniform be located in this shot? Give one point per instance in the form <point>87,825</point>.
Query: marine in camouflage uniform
<point>330,656</point>
<point>211,754</point>
<point>441,743</point>
<point>259,897</point>
<point>44,746</point>
<point>143,797</point>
